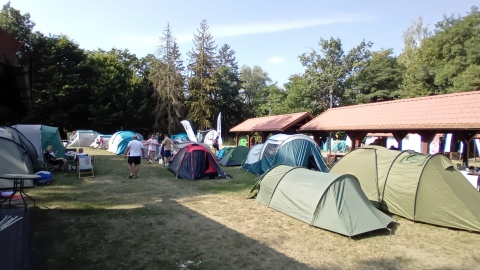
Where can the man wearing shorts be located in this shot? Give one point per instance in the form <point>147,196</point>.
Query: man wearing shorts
<point>134,152</point>
<point>167,150</point>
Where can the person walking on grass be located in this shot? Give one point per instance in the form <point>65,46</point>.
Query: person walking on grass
<point>152,148</point>
<point>134,153</point>
<point>167,151</point>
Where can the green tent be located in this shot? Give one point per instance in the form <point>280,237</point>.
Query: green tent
<point>425,188</point>
<point>328,201</point>
<point>42,136</point>
<point>234,156</point>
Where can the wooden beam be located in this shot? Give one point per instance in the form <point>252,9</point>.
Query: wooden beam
<point>237,138</point>
<point>399,135</point>
<point>356,137</point>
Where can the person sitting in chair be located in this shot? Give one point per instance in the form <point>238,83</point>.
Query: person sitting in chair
<point>80,153</point>
<point>51,159</point>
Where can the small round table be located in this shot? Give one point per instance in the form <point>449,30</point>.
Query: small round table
<point>18,185</point>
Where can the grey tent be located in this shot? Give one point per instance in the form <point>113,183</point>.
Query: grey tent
<point>17,156</point>
<point>425,188</point>
<point>328,201</point>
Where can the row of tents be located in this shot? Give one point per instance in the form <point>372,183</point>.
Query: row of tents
<point>419,187</point>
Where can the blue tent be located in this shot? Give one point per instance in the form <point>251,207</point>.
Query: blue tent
<point>294,150</point>
<point>119,140</point>
<point>181,137</point>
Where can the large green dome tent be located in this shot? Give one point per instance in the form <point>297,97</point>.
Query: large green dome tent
<point>425,188</point>
<point>329,201</point>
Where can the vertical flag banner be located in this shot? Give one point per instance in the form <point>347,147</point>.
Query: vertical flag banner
<point>219,128</point>
<point>189,130</point>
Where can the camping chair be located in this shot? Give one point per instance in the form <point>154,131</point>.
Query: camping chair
<point>85,165</point>
<point>48,166</point>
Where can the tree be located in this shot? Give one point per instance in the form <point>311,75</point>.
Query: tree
<point>227,88</point>
<point>298,98</point>
<point>19,26</point>
<point>166,75</point>
<point>61,82</point>
<point>120,92</point>
<point>416,75</point>
<point>253,81</point>
<point>329,72</point>
<point>269,101</point>
<point>380,79</point>
<point>201,83</point>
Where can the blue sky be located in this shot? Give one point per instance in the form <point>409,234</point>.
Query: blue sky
<point>271,34</point>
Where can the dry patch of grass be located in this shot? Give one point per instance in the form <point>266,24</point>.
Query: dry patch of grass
<point>159,222</point>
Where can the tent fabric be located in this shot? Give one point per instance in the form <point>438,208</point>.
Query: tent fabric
<point>293,150</point>
<point>42,136</point>
<point>222,152</point>
<point>425,188</point>
<point>119,141</point>
<point>16,156</point>
<point>234,156</point>
<point>195,162</point>
<point>82,138</point>
<point>328,201</point>
<point>181,137</point>
<point>96,142</point>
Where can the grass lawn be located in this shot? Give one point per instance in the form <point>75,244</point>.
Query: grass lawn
<point>159,222</point>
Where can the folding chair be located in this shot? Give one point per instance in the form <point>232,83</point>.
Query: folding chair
<point>85,166</point>
<point>48,166</point>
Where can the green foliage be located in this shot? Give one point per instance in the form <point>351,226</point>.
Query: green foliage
<point>269,101</point>
<point>253,81</point>
<point>380,79</point>
<point>19,26</point>
<point>298,97</point>
<point>201,84</point>
<point>166,75</point>
<point>329,72</point>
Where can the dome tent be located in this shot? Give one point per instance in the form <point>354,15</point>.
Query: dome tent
<point>324,200</point>
<point>119,141</point>
<point>42,136</point>
<point>425,188</point>
<point>234,156</point>
<point>82,138</point>
<point>18,156</point>
<point>293,150</point>
<point>194,162</point>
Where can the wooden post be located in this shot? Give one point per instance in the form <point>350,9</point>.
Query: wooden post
<point>237,138</point>
<point>465,136</point>
<point>427,137</point>
<point>399,136</point>
<point>356,137</point>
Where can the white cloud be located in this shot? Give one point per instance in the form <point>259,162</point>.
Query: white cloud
<point>275,60</point>
<point>272,27</point>
<point>231,30</point>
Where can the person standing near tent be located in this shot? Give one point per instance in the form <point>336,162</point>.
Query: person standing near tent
<point>167,150</point>
<point>152,148</point>
<point>215,145</point>
<point>134,152</point>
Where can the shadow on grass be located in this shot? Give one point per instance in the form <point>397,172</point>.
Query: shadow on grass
<point>165,235</point>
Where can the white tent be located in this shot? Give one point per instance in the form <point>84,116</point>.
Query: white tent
<point>96,142</point>
<point>82,138</point>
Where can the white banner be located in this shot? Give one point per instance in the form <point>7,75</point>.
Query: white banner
<point>189,130</point>
<point>219,128</point>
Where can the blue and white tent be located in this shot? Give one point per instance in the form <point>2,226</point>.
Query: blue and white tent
<point>119,140</point>
<point>82,138</point>
<point>294,150</point>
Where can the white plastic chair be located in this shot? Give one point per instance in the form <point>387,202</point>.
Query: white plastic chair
<point>85,166</point>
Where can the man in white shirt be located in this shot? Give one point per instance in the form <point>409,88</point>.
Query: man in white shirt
<point>152,148</point>
<point>134,152</point>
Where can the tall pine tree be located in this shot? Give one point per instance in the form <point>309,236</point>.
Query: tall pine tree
<point>201,84</point>
<point>166,75</point>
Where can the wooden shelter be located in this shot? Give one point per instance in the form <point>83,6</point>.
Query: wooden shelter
<point>457,113</point>
<point>285,123</point>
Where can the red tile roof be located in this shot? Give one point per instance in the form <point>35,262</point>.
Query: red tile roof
<point>441,112</point>
<point>273,123</point>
